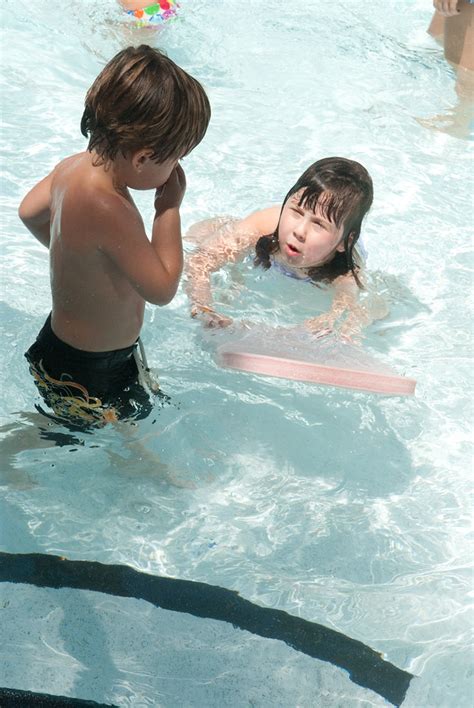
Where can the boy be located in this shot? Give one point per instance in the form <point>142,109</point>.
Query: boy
<point>142,115</point>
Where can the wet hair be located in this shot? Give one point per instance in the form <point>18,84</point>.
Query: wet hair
<point>142,99</point>
<point>343,190</point>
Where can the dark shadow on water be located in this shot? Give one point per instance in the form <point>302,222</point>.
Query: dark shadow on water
<point>21,699</point>
<point>364,665</point>
<point>14,698</point>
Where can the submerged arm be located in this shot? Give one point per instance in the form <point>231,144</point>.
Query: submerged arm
<point>345,300</point>
<point>347,314</point>
<point>227,244</point>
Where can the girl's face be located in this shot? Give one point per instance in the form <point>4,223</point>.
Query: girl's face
<point>306,237</point>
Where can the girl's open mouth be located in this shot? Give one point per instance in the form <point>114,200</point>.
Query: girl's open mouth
<point>291,250</point>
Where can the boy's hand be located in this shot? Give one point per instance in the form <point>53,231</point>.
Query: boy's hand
<point>171,194</point>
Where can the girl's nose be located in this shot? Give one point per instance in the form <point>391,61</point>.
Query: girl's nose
<point>300,230</point>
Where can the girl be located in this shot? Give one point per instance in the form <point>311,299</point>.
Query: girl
<point>313,237</point>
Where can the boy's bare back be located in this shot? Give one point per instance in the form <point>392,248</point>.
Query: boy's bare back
<point>94,306</point>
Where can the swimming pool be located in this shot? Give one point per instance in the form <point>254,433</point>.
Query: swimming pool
<point>347,510</point>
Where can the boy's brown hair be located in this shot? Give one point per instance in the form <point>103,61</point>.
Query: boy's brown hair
<point>142,99</point>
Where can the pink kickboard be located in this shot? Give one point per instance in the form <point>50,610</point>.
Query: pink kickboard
<point>321,362</point>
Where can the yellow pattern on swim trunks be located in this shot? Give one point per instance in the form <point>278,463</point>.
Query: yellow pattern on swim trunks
<point>60,396</point>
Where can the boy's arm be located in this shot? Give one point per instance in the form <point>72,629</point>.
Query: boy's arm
<point>35,210</point>
<point>226,245</point>
<point>153,268</point>
<point>166,233</point>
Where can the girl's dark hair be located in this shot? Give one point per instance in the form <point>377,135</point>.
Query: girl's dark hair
<point>343,190</point>
<point>142,99</point>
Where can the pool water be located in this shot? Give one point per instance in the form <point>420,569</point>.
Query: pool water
<point>347,509</point>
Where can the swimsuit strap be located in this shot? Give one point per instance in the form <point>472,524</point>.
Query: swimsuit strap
<point>145,377</point>
<point>289,273</point>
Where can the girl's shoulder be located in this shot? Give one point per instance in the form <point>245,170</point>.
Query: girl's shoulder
<point>262,222</point>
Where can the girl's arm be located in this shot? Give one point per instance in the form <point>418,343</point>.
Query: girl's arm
<point>226,244</point>
<point>347,314</point>
<point>345,300</point>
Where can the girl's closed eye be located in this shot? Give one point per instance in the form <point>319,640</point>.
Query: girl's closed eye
<point>321,224</point>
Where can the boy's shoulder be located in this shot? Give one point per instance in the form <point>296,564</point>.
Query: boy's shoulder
<point>91,204</point>
<point>77,176</point>
<point>67,163</point>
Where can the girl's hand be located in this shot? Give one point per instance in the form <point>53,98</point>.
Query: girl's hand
<point>351,331</point>
<point>209,317</point>
<point>320,326</point>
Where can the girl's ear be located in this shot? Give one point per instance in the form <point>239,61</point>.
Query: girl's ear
<point>340,247</point>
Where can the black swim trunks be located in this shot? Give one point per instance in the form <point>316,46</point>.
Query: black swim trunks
<point>88,388</point>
